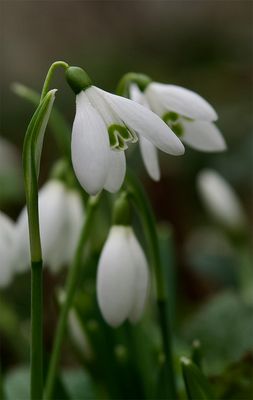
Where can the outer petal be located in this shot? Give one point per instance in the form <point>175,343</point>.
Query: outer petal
<point>117,171</point>
<point>116,277</point>
<point>76,216</point>
<point>203,136</point>
<point>90,146</point>
<point>52,209</point>
<point>220,199</point>
<point>145,123</point>
<point>6,249</point>
<point>52,212</point>
<point>150,158</point>
<point>181,100</point>
<point>141,279</point>
<point>21,260</point>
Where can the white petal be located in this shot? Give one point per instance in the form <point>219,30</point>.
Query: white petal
<point>150,158</point>
<point>52,211</point>
<point>21,249</point>
<point>117,171</point>
<point>6,249</point>
<point>136,95</point>
<point>181,100</point>
<point>141,279</point>
<point>90,146</point>
<point>76,217</point>
<point>203,136</point>
<point>220,199</point>
<point>116,277</point>
<point>145,122</point>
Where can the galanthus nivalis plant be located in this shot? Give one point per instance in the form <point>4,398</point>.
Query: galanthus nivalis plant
<point>185,112</point>
<point>123,276</point>
<point>104,124</point>
<point>220,200</point>
<point>61,213</point>
<point>58,224</point>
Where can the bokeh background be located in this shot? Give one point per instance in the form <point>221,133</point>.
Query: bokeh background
<point>205,46</point>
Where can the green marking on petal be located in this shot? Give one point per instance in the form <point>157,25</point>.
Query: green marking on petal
<point>119,135</point>
<point>178,129</point>
<point>170,116</point>
<point>122,144</point>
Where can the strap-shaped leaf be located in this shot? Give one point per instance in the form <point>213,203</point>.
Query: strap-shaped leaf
<point>31,164</point>
<point>196,384</point>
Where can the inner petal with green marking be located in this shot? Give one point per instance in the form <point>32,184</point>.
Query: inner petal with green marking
<point>174,121</point>
<point>119,135</point>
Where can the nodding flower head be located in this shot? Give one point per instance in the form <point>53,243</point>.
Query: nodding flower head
<point>220,200</point>
<point>188,115</point>
<point>122,278</point>
<point>104,125</point>
<point>61,216</point>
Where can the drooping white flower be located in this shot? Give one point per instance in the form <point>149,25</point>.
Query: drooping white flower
<point>104,124</point>
<point>122,278</point>
<point>61,217</point>
<point>6,249</point>
<point>220,199</point>
<point>187,114</point>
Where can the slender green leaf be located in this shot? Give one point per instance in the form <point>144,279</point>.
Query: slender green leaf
<point>196,385</point>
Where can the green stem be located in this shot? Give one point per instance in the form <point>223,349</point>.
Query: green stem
<point>31,187</point>
<point>50,73</point>
<point>36,327</point>
<point>72,281</point>
<point>145,212</point>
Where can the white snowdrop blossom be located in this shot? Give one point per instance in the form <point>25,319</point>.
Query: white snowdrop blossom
<point>61,217</point>
<point>6,249</point>
<point>104,124</point>
<point>220,199</point>
<point>122,278</point>
<point>185,112</point>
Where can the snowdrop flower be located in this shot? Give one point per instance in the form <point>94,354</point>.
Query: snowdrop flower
<point>6,249</point>
<point>61,217</point>
<point>220,199</point>
<point>185,112</point>
<point>123,277</point>
<point>104,125</point>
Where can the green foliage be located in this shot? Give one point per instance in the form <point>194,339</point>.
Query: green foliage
<point>196,385</point>
<point>224,327</point>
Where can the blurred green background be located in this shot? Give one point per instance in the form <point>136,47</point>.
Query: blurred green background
<point>205,46</point>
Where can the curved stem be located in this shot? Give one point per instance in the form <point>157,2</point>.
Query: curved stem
<point>142,204</point>
<point>31,187</point>
<point>72,280</point>
<point>50,73</point>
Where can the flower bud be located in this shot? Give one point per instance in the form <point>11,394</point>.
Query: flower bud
<point>123,277</point>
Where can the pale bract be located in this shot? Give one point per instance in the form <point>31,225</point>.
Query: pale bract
<point>122,277</point>
<point>220,199</point>
<point>61,216</point>
<point>6,249</point>
<point>104,125</point>
<point>186,113</point>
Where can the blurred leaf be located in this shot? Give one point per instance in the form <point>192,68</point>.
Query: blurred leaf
<point>224,327</point>
<point>78,384</point>
<point>196,384</point>
<point>16,384</point>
